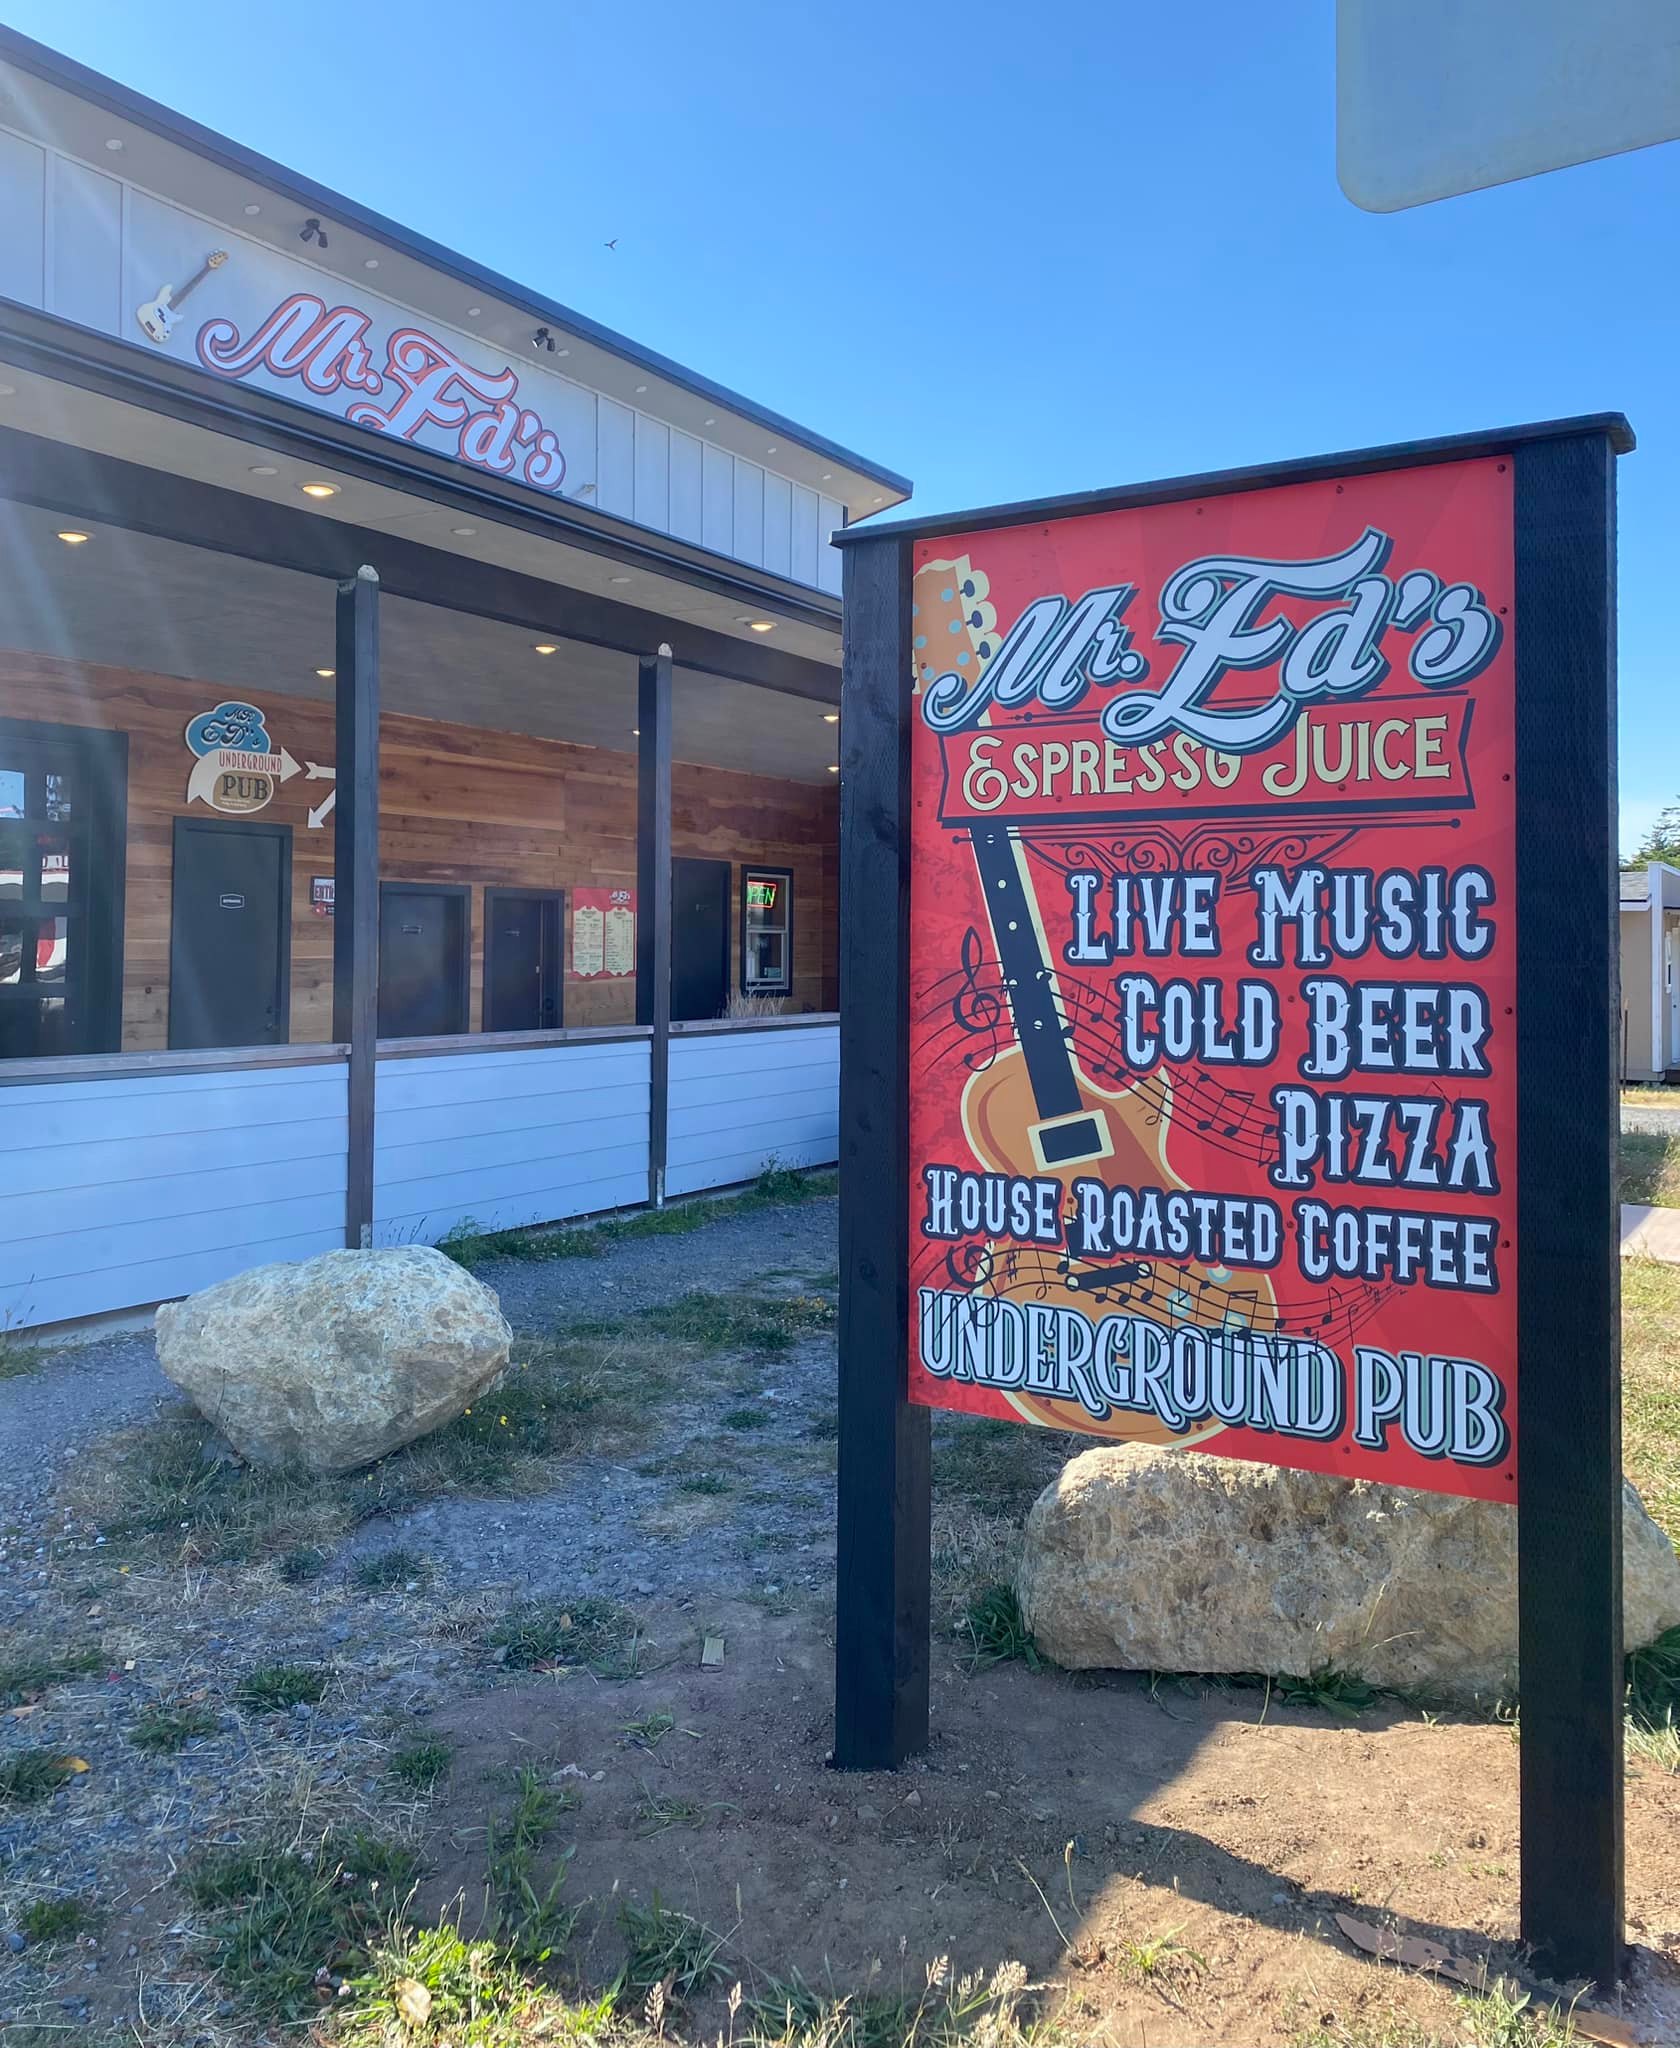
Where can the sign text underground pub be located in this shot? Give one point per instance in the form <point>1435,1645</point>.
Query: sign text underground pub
<point>1242,849</point>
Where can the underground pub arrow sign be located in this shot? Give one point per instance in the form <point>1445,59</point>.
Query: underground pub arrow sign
<point>237,769</point>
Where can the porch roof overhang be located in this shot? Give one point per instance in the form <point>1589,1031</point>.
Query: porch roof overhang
<point>196,165</point>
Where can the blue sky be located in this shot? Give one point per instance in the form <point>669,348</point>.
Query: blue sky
<point>1006,250</point>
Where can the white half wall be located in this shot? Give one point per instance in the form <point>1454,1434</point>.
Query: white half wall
<point>499,1139</point>
<point>127,1191</point>
<point>742,1098</point>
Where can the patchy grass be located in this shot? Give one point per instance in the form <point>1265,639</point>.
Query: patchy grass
<point>29,1775</point>
<point>740,1321</point>
<point>1651,1386</point>
<point>703,1483</point>
<point>997,1465</point>
<point>945,2011</point>
<point>775,1187</point>
<point>420,1762</point>
<point>17,1359</point>
<point>302,1564</point>
<point>426,1985</point>
<point>276,1914</point>
<point>654,1812</point>
<point>274,1688</point>
<point>534,1926</point>
<point>669,1950</point>
<point>383,1571</point>
<point>999,1634</point>
<point>27,1673</point>
<point>1649,1168</point>
<point>550,1634</point>
<point>651,1730</point>
<point>55,1919</point>
<point>747,1418</point>
<point>161,1731</point>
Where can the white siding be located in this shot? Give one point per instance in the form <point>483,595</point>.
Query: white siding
<point>749,512</point>
<point>653,473</point>
<point>615,489</point>
<point>740,1098</point>
<point>23,182</point>
<point>685,486</point>
<point>805,545</point>
<point>124,1192</point>
<point>499,1139</point>
<point>778,524</point>
<point>831,516</point>
<point>717,527</point>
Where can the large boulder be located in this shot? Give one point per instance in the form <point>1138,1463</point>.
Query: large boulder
<point>332,1363</point>
<point>1153,1560</point>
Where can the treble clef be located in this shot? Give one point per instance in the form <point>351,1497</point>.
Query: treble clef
<point>977,1009</point>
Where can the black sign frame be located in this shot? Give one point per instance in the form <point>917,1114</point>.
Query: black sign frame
<point>1568,1263</point>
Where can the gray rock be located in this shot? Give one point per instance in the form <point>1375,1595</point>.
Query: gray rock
<point>337,1361</point>
<point>1150,1560</point>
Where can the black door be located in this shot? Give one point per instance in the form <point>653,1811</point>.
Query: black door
<point>521,960</point>
<point>63,797</point>
<point>230,933</point>
<point>422,960</point>
<point>699,938</point>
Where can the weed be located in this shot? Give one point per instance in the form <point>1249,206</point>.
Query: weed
<point>164,1730</point>
<point>995,1465</point>
<point>703,1483</point>
<point>1655,1742</point>
<point>17,1358</point>
<point>1159,1956</point>
<point>1648,1169</point>
<point>651,1730</point>
<point>943,2013</point>
<point>654,1812</point>
<point>1330,1689</point>
<point>55,1919</point>
<point>534,1925</point>
<point>552,1634</point>
<point>741,1321</point>
<point>29,1672</point>
<point>746,1418</point>
<point>28,1775</point>
<point>668,1949</point>
<point>302,1563</point>
<point>824,1428</point>
<point>382,1571</point>
<point>272,1688</point>
<point>996,1627</point>
<point>473,1992</point>
<point>277,1915</point>
<point>1501,2016</point>
<point>420,1763</point>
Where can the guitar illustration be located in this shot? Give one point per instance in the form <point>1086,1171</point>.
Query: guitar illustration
<point>1034,1110</point>
<point>157,317</point>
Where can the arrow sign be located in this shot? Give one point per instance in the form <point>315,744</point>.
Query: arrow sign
<point>288,767</point>
<point>318,816</point>
<point>317,771</point>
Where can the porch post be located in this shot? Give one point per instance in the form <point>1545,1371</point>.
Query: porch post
<point>356,882</point>
<point>653,900</point>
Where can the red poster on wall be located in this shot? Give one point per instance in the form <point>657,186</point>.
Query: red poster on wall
<point>1213,1117</point>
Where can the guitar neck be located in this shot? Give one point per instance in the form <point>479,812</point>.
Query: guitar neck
<point>1040,1026</point>
<point>192,283</point>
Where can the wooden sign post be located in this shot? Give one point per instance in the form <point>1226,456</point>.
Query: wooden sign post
<point>1228,971</point>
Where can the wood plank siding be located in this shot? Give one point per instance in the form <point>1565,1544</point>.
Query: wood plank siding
<point>458,804</point>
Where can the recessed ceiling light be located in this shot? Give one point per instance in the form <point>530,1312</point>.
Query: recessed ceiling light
<point>618,579</point>
<point>762,625</point>
<point>113,143</point>
<point>879,499</point>
<point>711,423</point>
<point>562,351</point>
<point>73,539</point>
<point>769,451</point>
<point>831,718</point>
<point>828,476</point>
<point>474,311</point>
<point>8,391</point>
<point>253,209</point>
<point>264,469</point>
<point>326,673</point>
<point>545,647</point>
<point>635,732</point>
<point>370,262</point>
<point>641,388</point>
<point>834,767</point>
<point>463,532</point>
<point>319,490</point>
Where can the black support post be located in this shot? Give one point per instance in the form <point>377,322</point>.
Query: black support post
<point>1568,1269</point>
<point>356,881</point>
<point>882,1620</point>
<point>653,900</point>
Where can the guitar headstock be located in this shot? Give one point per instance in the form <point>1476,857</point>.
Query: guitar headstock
<point>216,259</point>
<point>952,623</point>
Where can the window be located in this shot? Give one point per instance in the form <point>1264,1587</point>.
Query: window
<point>766,931</point>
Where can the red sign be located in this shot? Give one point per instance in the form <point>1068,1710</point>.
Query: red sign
<point>1213,1104</point>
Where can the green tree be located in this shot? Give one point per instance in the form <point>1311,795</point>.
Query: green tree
<point>1662,841</point>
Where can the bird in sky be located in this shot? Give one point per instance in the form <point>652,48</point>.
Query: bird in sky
<point>613,244</point>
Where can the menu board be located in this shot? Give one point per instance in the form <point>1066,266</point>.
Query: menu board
<point>603,934</point>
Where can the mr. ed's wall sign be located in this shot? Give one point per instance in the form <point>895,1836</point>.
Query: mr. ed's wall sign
<point>1212,1097</point>
<point>236,768</point>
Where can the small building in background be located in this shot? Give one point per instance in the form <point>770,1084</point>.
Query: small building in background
<point>1650,919</point>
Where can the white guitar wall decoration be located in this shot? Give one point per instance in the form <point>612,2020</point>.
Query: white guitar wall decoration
<point>157,317</point>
